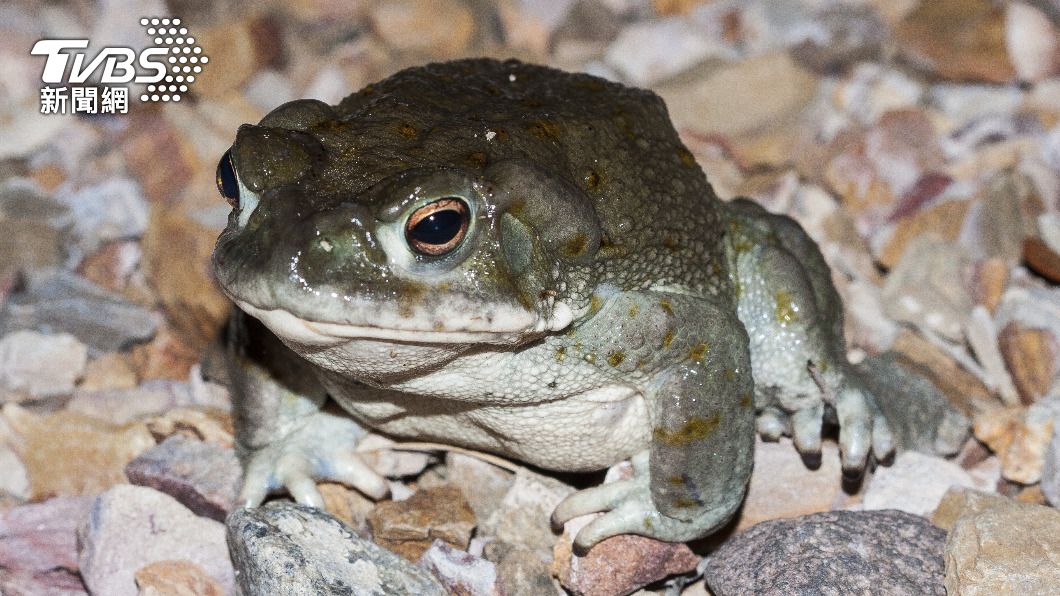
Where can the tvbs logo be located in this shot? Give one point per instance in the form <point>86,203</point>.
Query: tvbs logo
<point>167,68</point>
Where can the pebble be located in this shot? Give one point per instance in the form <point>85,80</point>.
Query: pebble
<point>175,578</point>
<point>618,565</point>
<point>67,453</point>
<point>201,476</point>
<point>14,480</point>
<point>918,413</point>
<point>132,526</point>
<point>271,544</point>
<point>880,552</point>
<point>1033,358</point>
<point>37,365</point>
<point>409,527</point>
<point>649,52</point>
<point>1033,42</point>
<point>41,537</point>
<point>114,209</point>
<point>999,546</point>
<point>926,288</point>
<point>783,486</point>
<point>348,506</point>
<point>1020,437</point>
<point>49,583</point>
<point>1051,469</point>
<point>914,483</point>
<point>742,97</point>
<point>957,39</point>
<point>67,303</point>
<point>459,571</point>
<point>108,371</point>
<point>483,484</point>
<point>151,398</point>
<point>413,25</point>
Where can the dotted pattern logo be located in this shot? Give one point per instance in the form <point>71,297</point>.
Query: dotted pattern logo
<point>185,58</point>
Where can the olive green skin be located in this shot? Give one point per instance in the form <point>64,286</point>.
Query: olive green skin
<point>603,305</point>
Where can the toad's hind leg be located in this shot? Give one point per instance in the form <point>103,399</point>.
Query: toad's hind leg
<point>794,318</point>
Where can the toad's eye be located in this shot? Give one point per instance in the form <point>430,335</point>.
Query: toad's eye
<point>437,228</point>
<point>227,184</point>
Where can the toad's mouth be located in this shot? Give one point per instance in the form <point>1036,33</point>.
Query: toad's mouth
<point>508,326</point>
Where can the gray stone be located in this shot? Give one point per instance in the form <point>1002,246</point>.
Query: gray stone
<point>837,552</point>
<point>111,210</point>
<point>285,548</point>
<point>919,414</point>
<point>132,526</point>
<point>148,399</point>
<point>204,477</point>
<point>37,365</point>
<point>67,303</point>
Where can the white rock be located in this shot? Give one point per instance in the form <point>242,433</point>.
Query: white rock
<point>461,572</point>
<point>871,90</point>
<point>14,480</point>
<point>268,89</point>
<point>651,51</point>
<point>1032,40</point>
<point>111,210</point>
<point>39,365</point>
<point>132,526</point>
<point>915,483</point>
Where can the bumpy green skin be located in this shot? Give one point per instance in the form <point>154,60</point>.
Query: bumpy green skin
<point>604,305</point>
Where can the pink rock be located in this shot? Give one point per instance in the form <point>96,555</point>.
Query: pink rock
<point>41,537</point>
<point>459,571</point>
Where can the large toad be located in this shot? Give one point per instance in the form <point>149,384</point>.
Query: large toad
<point>528,262</point>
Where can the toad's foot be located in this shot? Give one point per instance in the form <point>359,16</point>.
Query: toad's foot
<point>628,509</point>
<point>321,448</point>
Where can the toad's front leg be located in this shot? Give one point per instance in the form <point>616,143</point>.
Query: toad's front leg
<point>694,475</point>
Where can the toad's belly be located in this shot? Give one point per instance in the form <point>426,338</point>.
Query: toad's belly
<point>587,431</point>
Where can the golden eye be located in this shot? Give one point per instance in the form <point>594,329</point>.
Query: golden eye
<point>437,228</point>
<point>227,184</point>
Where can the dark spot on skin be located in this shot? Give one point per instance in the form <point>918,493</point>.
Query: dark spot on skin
<point>746,401</point>
<point>407,130</point>
<point>670,242</point>
<point>698,351</point>
<point>730,374</point>
<point>665,304</point>
<point>552,385</point>
<point>686,157</point>
<point>622,122</point>
<point>634,309</point>
<point>615,358</point>
<point>695,429</point>
<point>595,303</point>
<point>676,480</point>
<point>544,129</point>
<point>686,503</point>
<point>668,338</point>
<point>561,354</point>
<point>593,180</point>
<point>477,159</point>
<point>787,311</point>
<point>575,245</point>
<point>517,206</point>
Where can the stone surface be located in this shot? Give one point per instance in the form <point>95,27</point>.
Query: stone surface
<point>926,288</point>
<point>957,39</point>
<point>838,552</point>
<point>483,484</point>
<point>150,398</point>
<point>108,371</point>
<point>175,578</point>
<point>617,565</point>
<point>963,389</point>
<point>50,583</point>
<point>1020,438</point>
<point>914,483</point>
<point>782,486</point>
<point>409,527</point>
<point>1033,42</point>
<point>41,537</point>
<point>39,365</point>
<point>66,303</point>
<point>132,526</point>
<point>1033,358</point>
<point>459,571</point>
<point>201,476</point>
<point>413,25</point>
<point>1003,547</point>
<point>348,506</point>
<point>283,548</point>
<point>919,415</point>
<point>67,453</point>
<point>1051,469</point>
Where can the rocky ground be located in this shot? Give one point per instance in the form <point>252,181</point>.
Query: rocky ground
<point>917,142</point>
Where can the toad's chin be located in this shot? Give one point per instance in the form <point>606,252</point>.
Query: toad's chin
<point>502,326</point>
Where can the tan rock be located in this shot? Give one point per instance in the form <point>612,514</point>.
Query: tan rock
<point>1003,548</point>
<point>210,425</point>
<point>942,221</point>
<point>409,527</point>
<point>414,25</point>
<point>957,39</point>
<point>744,97</point>
<point>1031,356</point>
<point>112,370</point>
<point>1019,436</point>
<point>237,50</point>
<point>988,282</point>
<point>782,486</point>
<point>176,578</point>
<point>963,389</point>
<point>959,501</point>
<point>150,135</point>
<point>346,504</point>
<point>67,453</point>
<point>167,356</point>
